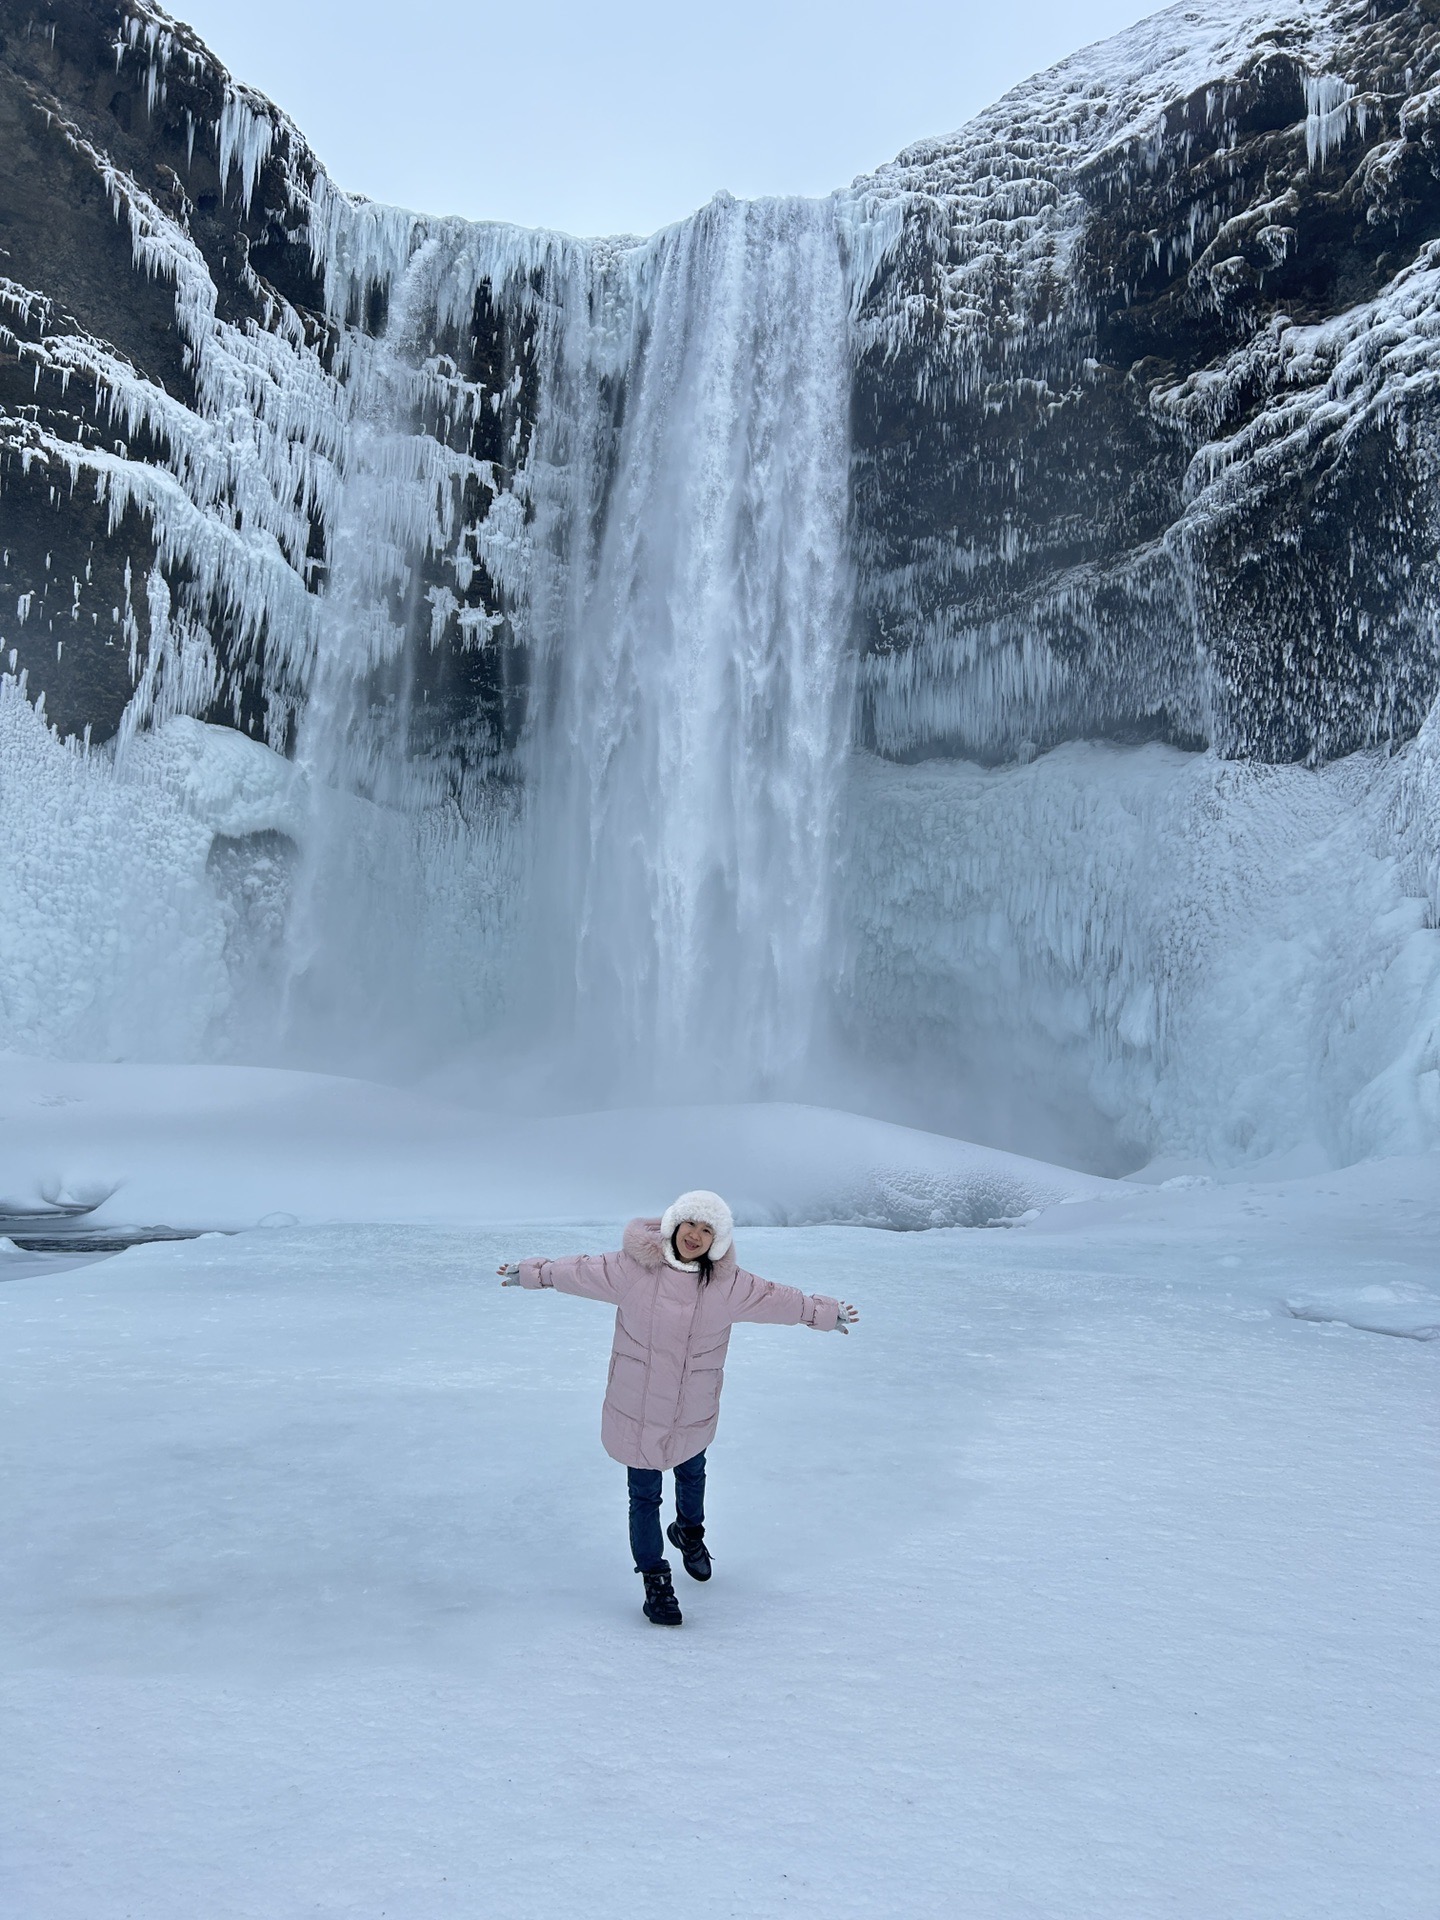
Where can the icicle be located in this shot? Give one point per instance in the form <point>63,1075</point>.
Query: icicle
<point>1330,105</point>
<point>244,137</point>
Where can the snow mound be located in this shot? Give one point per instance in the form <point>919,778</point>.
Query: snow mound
<point>230,783</point>
<point>242,1146</point>
<point>1408,1312</point>
<point>788,1165</point>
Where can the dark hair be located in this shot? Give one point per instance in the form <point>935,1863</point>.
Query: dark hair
<point>704,1263</point>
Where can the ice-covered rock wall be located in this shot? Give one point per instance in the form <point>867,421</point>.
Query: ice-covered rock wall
<point>1146,450</point>
<point>963,647</point>
<point>1146,406</point>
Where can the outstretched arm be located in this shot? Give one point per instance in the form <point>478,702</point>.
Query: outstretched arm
<point>595,1276</point>
<point>775,1305</point>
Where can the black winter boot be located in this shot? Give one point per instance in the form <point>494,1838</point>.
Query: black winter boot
<point>693,1550</point>
<point>661,1606</point>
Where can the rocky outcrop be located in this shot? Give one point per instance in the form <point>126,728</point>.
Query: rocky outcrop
<point>110,123</point>
<point>178,355</point>
<point>1146,410</point>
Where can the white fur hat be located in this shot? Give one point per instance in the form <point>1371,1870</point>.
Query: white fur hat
<point>706,1207</point>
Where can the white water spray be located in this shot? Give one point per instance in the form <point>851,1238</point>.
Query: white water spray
<point>692,706</point>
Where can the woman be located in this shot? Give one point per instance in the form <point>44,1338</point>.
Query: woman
<point>678,1292</point>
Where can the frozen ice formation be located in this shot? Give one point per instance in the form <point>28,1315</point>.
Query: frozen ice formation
<point>1150,359</point>
<point>966,647</point>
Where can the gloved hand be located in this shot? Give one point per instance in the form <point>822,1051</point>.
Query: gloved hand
<point>504,1272</point>
<point>848,1316</point>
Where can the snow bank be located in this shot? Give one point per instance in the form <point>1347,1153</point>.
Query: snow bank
<point>239,1146</point>
<point>787,1165</point>
<point>1411,1313</point>
<point>230,783</point>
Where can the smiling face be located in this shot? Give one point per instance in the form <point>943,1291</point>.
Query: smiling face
<point>692,1238</point>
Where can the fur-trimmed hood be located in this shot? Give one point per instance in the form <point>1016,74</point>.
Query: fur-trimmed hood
<point>646,1242</point>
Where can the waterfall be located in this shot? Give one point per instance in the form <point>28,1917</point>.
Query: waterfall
<point>692,701</point>
<point>686,612</point>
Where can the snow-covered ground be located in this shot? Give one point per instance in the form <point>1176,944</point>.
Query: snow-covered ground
<point>1088,1578</point>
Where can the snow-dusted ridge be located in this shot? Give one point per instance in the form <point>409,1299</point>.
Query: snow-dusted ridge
<point>1008,192</point>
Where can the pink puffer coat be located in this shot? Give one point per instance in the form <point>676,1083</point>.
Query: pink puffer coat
<point>668,1361</point>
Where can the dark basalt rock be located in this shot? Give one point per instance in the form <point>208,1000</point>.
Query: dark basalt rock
<point>1103,482</point>
<point>1145,416</point>
<point>105,108</point>
<point>71,106</point>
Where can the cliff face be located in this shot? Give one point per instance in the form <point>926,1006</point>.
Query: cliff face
<point>179,384</point>
<point>1144,408</point>
<point>111,133</point>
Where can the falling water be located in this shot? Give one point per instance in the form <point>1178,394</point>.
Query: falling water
<point>686,609</point>
<point>692,706</point>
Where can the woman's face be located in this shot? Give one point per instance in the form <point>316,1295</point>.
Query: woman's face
<point>692,1238</point>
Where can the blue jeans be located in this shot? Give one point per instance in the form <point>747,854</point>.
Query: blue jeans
<point>647,1543</point>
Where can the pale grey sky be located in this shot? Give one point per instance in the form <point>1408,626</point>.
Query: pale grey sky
<point>621,118</point>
